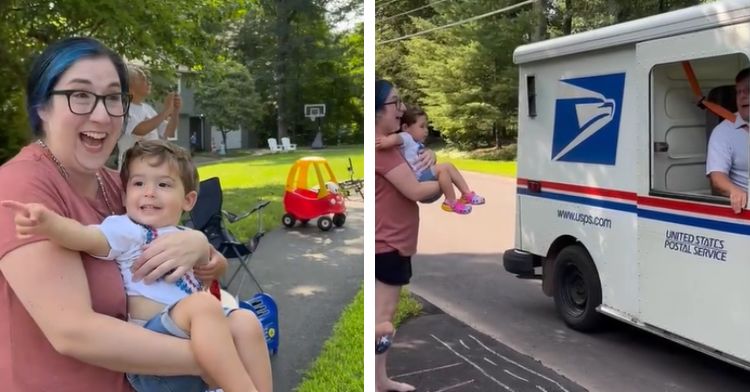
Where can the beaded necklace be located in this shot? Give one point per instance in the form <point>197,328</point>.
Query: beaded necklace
<point>65,175</point>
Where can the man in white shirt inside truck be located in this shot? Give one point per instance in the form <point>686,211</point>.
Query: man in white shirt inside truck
<point>727,159</point>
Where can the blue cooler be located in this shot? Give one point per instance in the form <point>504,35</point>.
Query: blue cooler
<point>265,309</point>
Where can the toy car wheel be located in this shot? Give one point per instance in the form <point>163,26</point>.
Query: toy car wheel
<point>339,219</point>
<point>288,220</point>
<point>304,222</point>
<point>325,223</point>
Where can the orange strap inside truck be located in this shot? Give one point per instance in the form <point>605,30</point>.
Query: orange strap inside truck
<point>702,101</point>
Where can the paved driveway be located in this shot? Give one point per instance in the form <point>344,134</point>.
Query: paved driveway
<point>312,275</point>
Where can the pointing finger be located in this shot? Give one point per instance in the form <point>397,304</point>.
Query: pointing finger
<point>15,206</point>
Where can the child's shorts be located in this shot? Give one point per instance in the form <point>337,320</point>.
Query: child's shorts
<point>163,323</point>
<point>428,175</point>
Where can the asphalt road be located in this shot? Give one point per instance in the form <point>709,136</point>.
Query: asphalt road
<point>459,269</point>
<point>437,353</point>
<point>312,275</point>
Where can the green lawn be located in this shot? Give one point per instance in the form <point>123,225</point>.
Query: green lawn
<point>340,365</point>
<point>408,307</point>
<point>245,180</point>
<point>502,168</point>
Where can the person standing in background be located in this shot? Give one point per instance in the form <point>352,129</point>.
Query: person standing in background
<point>143,121</point>
<point>193,142</point>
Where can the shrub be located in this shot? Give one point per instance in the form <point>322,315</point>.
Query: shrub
<point>504,153</point>
<point>15,131</point>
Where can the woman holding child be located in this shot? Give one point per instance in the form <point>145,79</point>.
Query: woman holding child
<point>63,313</point>
<point>396,219</point>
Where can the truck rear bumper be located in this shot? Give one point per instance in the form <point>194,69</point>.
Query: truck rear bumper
<point>519,262</point>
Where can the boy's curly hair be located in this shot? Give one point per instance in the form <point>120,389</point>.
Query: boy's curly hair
<point>176,156</point>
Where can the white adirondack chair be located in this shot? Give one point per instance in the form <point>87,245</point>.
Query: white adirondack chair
<point>274,146</point>
<point>287,145</point>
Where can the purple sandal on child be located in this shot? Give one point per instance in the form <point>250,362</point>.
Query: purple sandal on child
<point>456,206</point>
<point>472,198</point>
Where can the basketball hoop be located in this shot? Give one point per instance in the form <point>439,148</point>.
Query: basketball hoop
<point>315,111</point>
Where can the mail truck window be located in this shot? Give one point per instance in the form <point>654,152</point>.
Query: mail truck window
<point>689,99</point>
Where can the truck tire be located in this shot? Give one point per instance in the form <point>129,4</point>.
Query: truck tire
<point>577,289</point>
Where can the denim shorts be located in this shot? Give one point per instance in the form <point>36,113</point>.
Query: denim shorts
<point>163,323</point>
<point>428,175</point>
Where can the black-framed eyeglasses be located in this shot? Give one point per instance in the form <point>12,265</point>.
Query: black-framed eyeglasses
<point>398,102</point>
<point>84,102</point>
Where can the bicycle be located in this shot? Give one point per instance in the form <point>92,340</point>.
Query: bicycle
<point>352,185</point>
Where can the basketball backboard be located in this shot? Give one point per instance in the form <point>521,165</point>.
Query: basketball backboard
<point>315,111</point>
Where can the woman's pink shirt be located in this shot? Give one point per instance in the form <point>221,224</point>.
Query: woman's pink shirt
<point>396,216</point>
<point>28,363</point>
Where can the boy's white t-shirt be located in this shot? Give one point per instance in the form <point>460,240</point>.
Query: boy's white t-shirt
<point>126,239</point>
<point>410,149</point>
<point>138,113</point>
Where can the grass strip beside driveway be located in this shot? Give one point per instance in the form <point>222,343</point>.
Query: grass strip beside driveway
<point>340,365</point>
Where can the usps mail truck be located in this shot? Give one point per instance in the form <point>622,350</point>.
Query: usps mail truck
<point>614,209</point>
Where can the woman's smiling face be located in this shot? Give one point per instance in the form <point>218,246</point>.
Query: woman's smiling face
<point>83,143</point>
<point>388,119</point>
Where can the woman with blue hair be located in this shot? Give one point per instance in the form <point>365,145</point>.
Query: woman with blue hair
<point>396,219</point>
<point>62,313</point>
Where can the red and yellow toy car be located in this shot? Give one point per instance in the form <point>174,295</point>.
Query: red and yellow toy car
<point>303,203</point>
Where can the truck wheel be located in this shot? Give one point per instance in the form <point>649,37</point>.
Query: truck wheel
<point>288,220</point>
<point>325,223</point>
<point>339,219</point>
<point>577,291</point>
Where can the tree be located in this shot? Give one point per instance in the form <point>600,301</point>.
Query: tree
<point>353,69</point>
<point>464,75</point>
<point>389,57</point>
<point>226,94</point>
<point>467,80</point>
<point>162,34</point>
<point>268,41</point>
<point>296,59</point>
<point>332,73</point>
<point>540,11</point>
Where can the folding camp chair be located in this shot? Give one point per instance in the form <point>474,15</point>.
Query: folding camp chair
<point>208,217</point>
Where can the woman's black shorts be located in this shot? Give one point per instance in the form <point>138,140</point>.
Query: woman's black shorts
<point>392,268</point>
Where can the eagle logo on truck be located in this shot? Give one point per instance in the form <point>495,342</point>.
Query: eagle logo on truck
<point>587,119</point>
